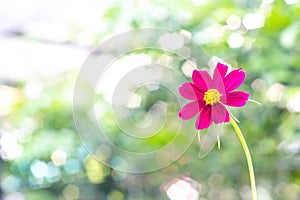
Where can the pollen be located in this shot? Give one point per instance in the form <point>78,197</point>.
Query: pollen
<point>212,96</point>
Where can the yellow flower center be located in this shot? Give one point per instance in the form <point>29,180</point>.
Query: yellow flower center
<point>212,96</point>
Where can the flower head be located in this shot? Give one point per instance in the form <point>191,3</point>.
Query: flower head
<point>211,95</point>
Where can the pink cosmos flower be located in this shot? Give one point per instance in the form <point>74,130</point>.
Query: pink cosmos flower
<point>211,95</point>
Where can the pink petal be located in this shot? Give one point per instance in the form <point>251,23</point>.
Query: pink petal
<point>202,79</point>
<point>219,114</point>
<point>190,91</point>
<point>219,85</point>
<point>234,79</point>
<point>237,98</point>
<point>204,119</point>
<point>221,70</point>
<point>219,75</point>
<point>191,109</point>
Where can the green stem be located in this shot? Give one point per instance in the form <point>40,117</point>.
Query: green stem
<point>248,157</point>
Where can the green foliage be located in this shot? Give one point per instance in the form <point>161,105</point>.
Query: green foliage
<point>270,56</point>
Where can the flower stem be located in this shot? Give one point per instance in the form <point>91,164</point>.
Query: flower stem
<point>248,157</point>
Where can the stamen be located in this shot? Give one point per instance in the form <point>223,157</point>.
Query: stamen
<point>212,96</point>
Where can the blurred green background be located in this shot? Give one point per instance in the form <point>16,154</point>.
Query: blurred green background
<point>44,43</point>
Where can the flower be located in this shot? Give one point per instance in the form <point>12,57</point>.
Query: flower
<point>211,95</point>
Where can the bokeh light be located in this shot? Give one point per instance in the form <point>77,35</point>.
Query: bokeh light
<point>43,46</point>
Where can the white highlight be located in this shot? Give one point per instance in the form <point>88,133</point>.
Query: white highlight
<point>235,40</point>
<point>289,2</point>
<point>39,169</point>
<point>10,149</point>
<point>293,105</point>
<point>253,21</point>
<point>188,67</point>
<point>134,101</point>
<point>234,22</point>
<point>183,190</point>
<point>59,157</point>
<point>275,92</point>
